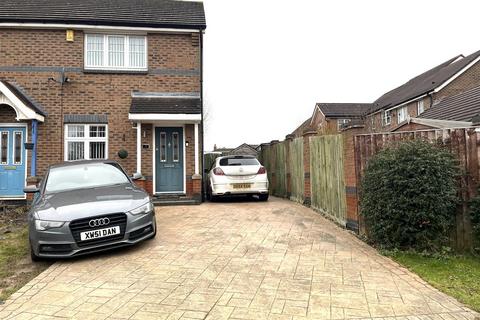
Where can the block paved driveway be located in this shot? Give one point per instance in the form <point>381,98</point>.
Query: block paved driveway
<point>241,260</point>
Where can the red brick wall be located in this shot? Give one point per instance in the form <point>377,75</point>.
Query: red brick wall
<point>91,93</point>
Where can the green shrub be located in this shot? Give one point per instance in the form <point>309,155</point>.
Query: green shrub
<point>475,216</point>
<point>408,196</point>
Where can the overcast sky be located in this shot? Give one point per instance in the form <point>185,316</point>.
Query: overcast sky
<point>267,62</point>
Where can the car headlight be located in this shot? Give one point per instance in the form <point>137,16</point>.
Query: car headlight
<point>42,225</point>
<point>145,208</point>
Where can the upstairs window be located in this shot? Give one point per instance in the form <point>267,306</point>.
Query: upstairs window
<point>115,52</point>
<point>402,114</point>
<point>341,123</point>
<point>387,117</point>
<point>420,107</point>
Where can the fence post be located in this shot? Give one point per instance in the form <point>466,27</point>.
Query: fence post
<point>307,190</point>
<point>273,164</point>
<point>288,171</point>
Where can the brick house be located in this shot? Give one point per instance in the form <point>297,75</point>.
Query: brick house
<point>394,108</point>
<point>92,80</point>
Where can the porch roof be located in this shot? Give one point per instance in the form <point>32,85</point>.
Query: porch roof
<point>166,105</point>
<point>25,107</point>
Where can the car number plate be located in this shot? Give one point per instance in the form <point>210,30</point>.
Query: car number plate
<point>242,185</point>
<point>100,233</point>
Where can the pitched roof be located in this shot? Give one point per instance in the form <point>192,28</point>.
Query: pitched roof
<point>166,105</point>
<point>299,130</point>
<point>424,83</point>
<point>132,13</point>
<point>344,110</point>
<point>460,107</point>
<point>22,96</point>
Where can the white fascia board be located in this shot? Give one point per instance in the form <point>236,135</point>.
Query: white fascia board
<point>164,117</point>
<point>92,27</point>
<point>23,112</point>
<point>407,102</point>
<point>441,124</point>
<point>455,76</point>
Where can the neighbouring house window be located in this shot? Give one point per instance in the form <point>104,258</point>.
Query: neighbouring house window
<point>176,147</point>
<point>420,107</point>
<point>86,141</point>
<point>3,147</point>
<point>17,147</point>
<point>387,117</point>
<point>402,114</point>
<point>341,123</point>
<point>115,52</point>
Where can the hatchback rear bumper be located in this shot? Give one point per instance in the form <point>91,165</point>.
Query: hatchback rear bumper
<point>229,189</point>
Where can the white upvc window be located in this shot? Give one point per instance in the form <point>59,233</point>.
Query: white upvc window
<point>402,114</point>
<point>86,142</point>
<point>387,117</point>
<point>420,107</point>
<point>115,52</point>
<point>341,123</point>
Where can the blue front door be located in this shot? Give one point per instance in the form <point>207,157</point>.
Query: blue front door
<point>169,175</point>
<point>12,161</point>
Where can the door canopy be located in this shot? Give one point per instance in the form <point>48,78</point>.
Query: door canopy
<point>25,107</point>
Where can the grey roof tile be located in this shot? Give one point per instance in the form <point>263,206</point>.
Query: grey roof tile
<point>344,110</point>
<point>133,13</point>
<point>461,107</point>
<point>166,105</point>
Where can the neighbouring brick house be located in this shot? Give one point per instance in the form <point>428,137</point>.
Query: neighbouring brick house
<point>417,95</point>
<point>91,80</point>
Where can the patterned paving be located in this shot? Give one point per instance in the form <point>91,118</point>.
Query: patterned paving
<point>244,260</point>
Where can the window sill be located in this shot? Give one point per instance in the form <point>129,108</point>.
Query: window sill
<point>104,71</point>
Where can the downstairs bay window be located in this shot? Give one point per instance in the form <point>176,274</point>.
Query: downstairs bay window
<point>86,142</point>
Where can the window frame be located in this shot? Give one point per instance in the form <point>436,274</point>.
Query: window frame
<point>399,110</point>
<point>385,117</point>
<point>86,139</point>
<point>126,53</point>
<point>420,103</point>
<point>341,122</point>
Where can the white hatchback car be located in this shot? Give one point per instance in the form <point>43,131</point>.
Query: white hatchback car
<point>237,175</point>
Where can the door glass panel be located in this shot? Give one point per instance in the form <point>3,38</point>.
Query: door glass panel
<point>176,147</point>
<point>163,146</point>
<point>76,150</point>
<point>17,147</point>
<point>4,147</point>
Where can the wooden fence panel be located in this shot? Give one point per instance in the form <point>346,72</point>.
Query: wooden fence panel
<point>327,176</point>
<point>464,145</point>
<point>296,170</point>
<point>280,183</point>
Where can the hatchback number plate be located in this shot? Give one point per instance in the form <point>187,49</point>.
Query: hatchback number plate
<point>100,233</point>
<point>242,186</point>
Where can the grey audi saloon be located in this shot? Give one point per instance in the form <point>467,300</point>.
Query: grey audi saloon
<point>87,206</point>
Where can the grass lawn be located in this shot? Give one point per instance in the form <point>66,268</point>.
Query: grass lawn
<point>457,276</point>
<point>16,267</point>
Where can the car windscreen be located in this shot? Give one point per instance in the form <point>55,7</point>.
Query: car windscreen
<point>84,176</point>
<point>239,162</point>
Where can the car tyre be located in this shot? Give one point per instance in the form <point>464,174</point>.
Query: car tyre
<point>33,256</point>
<point>263,197</point>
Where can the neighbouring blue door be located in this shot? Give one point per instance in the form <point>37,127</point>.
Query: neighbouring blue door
<point>12,161</point>
<point>169,171</point>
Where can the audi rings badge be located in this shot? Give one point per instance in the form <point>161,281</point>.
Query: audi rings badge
<point>99,222</point>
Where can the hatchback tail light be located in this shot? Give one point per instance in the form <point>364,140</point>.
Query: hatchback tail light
<point>262,170</point>
<point>218,172</point>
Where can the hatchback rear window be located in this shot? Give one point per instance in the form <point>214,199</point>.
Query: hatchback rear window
<point>239,162</point>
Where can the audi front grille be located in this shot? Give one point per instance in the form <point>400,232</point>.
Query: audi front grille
<point>81,225</point>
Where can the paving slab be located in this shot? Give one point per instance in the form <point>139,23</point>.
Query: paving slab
<point>235,260</point>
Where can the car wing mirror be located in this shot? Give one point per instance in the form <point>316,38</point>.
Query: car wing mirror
<point>31,189</point>
<point>137,176</point>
